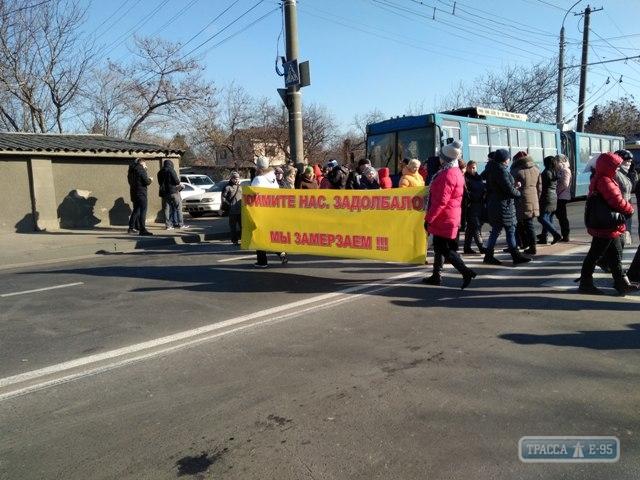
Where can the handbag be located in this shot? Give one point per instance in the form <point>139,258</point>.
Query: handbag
<point>598,213</point>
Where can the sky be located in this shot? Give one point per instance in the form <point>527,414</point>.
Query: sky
<point>393,56</point>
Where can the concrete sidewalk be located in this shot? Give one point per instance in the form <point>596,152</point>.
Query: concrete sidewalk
<point>39,248</point>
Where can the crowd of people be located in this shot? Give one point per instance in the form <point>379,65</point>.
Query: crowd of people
<point>510,194</point>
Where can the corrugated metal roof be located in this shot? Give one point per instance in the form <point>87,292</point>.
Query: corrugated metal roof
<point>80,143</point>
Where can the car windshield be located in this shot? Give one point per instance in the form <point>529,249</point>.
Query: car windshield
<point>201,181</point>
<point>218,187</point>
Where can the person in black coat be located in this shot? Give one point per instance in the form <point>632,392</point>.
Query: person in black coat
<point>138,183</point>
<point>548,201</point>
<point>474,202</point>
<point>501,192</point>
<point>170,187</point>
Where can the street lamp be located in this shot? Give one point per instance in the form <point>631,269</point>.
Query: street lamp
<point>559,114</point>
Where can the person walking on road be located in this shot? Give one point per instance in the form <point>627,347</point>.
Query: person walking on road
<point>444,210</point>
<point>502,190</point>
<point>563,190</point>
<point>607,242</point>
<point>266,178</point>
<point>232,202</point>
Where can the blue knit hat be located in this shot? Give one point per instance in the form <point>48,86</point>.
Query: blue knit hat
<point>501,155</point>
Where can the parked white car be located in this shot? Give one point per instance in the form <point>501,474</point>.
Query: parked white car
<point>200,181</point>
<point>189,190</point>
<point>209,201</point>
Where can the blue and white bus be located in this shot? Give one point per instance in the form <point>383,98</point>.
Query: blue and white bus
<point>481,131</point>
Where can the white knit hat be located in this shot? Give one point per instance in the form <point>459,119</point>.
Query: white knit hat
<point>451,151</point>
<point>262,163</point>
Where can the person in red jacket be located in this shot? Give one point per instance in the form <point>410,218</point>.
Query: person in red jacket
<point>383,178</point>
<point>444,209</point>
<point>607,242</point>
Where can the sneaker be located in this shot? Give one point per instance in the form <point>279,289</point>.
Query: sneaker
<point>145,233</point>
<point>260,265</point>
<point>170,228</point>
<point>283,258</point>
<point>184,227</point>
<point>132,230</point>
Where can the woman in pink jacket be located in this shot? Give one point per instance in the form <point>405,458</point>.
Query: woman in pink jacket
<point>444,210</point>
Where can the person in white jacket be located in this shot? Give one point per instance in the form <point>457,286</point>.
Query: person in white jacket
<point>266,178</point>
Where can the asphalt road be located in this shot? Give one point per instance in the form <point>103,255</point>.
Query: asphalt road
<point>189,363</point>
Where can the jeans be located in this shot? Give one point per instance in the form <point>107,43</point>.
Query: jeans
<point>547,224</point>
<point>509,230</point>
<point>172,207</point>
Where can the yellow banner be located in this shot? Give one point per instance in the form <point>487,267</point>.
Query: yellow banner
<point>376,224</point>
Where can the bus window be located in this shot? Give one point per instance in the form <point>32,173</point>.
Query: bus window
<point>605,145</point>
<point>450,129</point>
<point>381,149</point>
<point>535,145</point>
<point>498,137</point>
<point>478,142</point>
<point>585,153</point>
<point>549,143</point>
<point>417,143</point>
<point>518,139</point>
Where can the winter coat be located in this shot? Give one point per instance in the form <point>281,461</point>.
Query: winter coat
<point>168,180</point>
<point>138,180</point>
<point>445,203</point>
<point>563,189</point>
<point>549,196</point>
<point>266,179</point>
<point>232,196</point>
<point>410,179</point>
<point>474,195</point>
<point>604,182</point>
<point>317,171</point>
<point>525,171</point>
<point>384,179</point>
<point>338,177</point>
<point>308,183</point>
<point>501,193</point>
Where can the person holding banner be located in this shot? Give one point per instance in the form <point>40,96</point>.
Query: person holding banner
<point>265,177</point>
<point>444,210</point>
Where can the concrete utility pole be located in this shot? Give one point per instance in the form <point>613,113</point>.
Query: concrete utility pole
<point>559,113</point>
<point>583,69</point>
<point>293,95</point>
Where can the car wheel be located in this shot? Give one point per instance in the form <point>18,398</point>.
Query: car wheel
<point>196,214</point>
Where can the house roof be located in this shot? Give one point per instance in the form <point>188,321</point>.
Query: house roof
<point>17,142</point>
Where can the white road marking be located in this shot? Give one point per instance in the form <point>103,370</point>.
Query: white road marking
<point>94,364</point>
<point>24,292</point>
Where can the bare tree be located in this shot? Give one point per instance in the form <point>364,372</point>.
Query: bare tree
<point>161,89</point>
<point>318,130</point>
<point>530,91</point>
<point>43,60</point>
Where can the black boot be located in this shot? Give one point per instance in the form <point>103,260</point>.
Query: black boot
<point>458,264</point>
<point>518,257</point>
<point>623,285</point>
<point>489,258</point>
<point>436,276</point>
<point>556,238</point>
<point>587,287</point>
<point>477,237</point>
